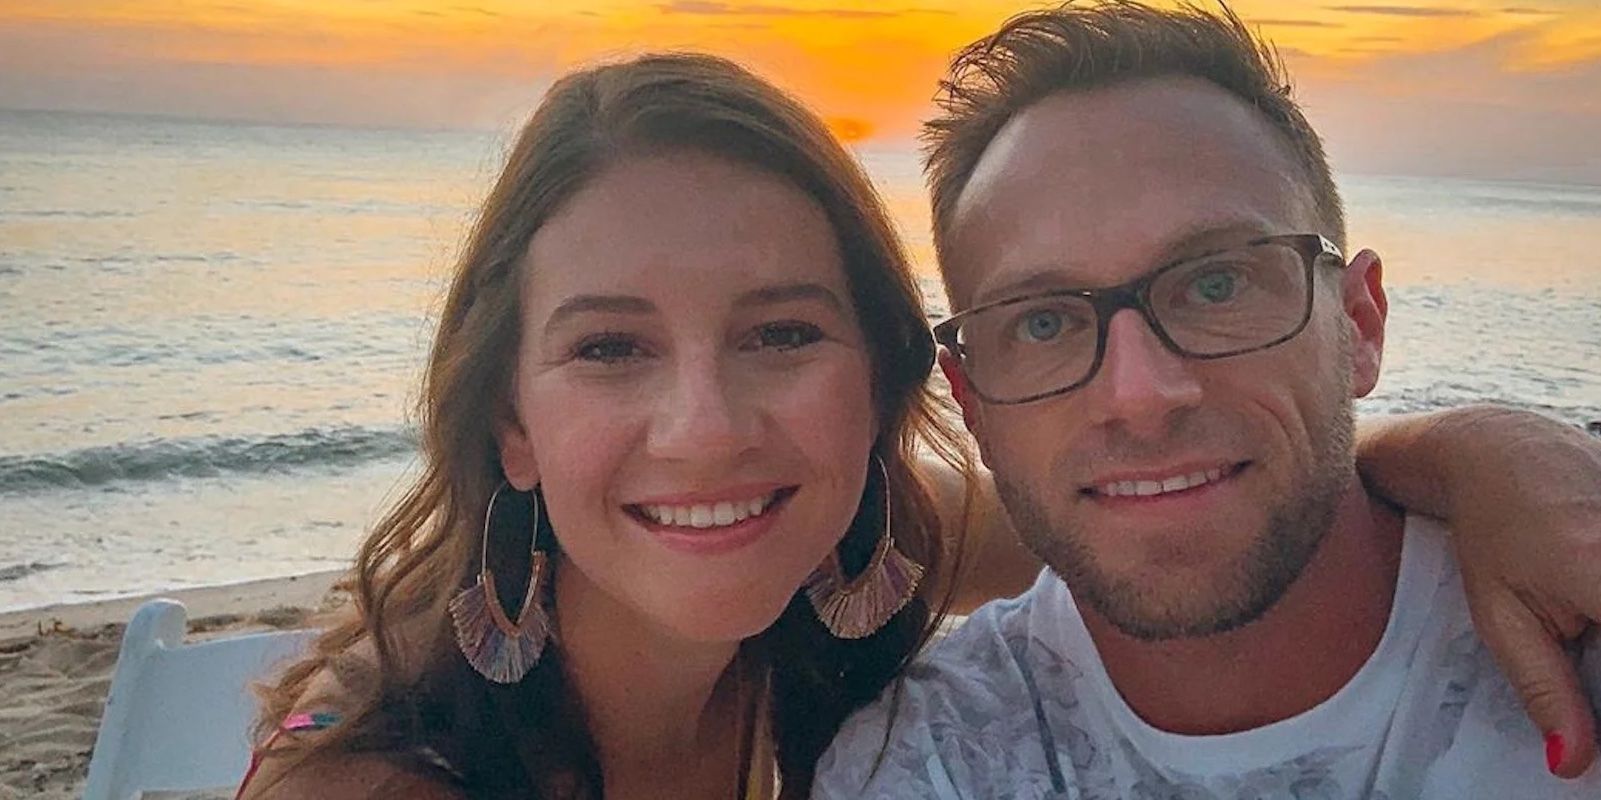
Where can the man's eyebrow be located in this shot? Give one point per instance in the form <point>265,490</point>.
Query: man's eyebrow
<point>790,292</point>
<point>1038,280</point>
<point>1204,236</point>
<point>599,303</point>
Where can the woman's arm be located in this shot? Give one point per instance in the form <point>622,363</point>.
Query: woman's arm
<point>1522,494</point>
<point>994,563</point>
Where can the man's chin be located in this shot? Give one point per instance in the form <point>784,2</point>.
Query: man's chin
<point>1172,609</point>
<point>1157,580</point>
<point>1191,587</point>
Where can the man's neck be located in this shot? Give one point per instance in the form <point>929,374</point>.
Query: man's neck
<point>1297,655</point>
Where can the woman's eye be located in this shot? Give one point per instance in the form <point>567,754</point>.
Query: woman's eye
<point>787,335</point>
<point>608,349</point>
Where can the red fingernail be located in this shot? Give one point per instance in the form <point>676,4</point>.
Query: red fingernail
<point>1553,751</point>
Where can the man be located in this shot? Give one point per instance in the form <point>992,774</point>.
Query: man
<point>1227,611</point>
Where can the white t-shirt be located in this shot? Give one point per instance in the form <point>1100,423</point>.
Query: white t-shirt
<point>1016,704</point>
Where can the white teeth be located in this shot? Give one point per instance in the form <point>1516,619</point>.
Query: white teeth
<point>706,515</point>
<point>1120,488</point>
<point>1177,483</point>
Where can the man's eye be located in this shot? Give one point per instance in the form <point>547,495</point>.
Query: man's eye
<point>787,335</point>
<point>1214,286</point>
<point>1040,325</point>
<point>607,349</point>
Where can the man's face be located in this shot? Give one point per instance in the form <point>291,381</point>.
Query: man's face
<point>1092,190</point>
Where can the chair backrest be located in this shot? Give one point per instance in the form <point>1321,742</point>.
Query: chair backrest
<point>178,716</point>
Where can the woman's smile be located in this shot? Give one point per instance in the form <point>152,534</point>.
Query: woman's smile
<point>712,528</point>
<point>709,511</point>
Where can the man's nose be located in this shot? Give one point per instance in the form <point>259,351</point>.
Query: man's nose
<point>702,414</point>
<point>1141,384</point>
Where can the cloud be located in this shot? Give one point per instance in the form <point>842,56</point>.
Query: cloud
<point>697,7</point>
<point>1462,112</point>
<point>1406,11</point>
<point>850,129</point>
<point>716,8</point>
<point>1528,12</point>
<point>421,98</point>
<point>1296,23</point>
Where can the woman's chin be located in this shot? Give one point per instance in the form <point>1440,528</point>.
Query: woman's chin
<point>725,622</point>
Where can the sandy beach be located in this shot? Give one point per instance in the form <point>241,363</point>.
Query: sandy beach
<point>56,664</point>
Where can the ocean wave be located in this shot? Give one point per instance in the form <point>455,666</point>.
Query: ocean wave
<point>1442,395</point>
<point>16,572</point>
<point>68,213</point>
<point>203,457</point>
<point>347,207</point>
<point>1543,205</point>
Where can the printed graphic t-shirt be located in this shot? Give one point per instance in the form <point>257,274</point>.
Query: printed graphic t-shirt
<point>1017,704</point>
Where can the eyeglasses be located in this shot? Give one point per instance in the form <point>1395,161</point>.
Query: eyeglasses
<point>1221,304</point>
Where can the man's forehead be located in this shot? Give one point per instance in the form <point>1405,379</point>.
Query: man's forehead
<point>1116,172</point>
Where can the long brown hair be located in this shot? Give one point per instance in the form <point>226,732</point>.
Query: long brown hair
<point>410,694</point>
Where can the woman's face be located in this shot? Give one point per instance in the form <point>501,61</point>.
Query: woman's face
<point>693,392</point>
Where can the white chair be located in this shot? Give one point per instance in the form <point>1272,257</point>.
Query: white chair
<point>178,716</point>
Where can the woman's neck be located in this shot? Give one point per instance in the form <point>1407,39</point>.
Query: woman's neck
<point>658,706</point>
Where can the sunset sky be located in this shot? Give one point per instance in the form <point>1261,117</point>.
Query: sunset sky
<point>1465,87</point>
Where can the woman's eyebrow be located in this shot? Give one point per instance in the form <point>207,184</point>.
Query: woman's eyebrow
<point>598,303</point>
<point>789,292</point>
<point>632,304</point>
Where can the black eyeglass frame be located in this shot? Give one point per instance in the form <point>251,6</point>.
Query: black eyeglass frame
<point>1136,294</point>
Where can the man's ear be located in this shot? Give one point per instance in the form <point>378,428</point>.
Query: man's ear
<point>516,452</point>
<point>962,392</point>
<point>1362,288</point>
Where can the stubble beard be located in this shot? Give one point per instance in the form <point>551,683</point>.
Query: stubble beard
<point>1233,594</point>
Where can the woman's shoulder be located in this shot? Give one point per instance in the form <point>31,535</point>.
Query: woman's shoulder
<point>318,768</point>
<point>347,776</point>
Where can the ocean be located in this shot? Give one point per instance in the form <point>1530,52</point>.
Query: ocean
<point>211,333</point>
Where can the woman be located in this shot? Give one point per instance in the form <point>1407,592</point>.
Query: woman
<point>641,560</point>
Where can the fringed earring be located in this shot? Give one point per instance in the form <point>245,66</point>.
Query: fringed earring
<point>854,608</point>
<point>498,648</point>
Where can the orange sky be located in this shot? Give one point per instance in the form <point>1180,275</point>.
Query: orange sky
<point>1515,86</point>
